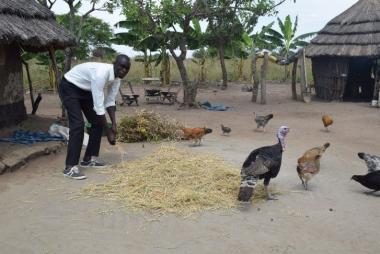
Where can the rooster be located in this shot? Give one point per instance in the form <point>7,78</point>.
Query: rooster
<point>262,121</point>
<point>195,134</point>
<point>225,129</point>
<point>372,161</point>
<point>309,165</point>
<point>262,163</point>
<point>327,121</point>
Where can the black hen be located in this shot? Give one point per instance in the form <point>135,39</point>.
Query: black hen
<point>262,163</point>
<point>225,129</point>
<point>372,161</point>
<point>370,180</point>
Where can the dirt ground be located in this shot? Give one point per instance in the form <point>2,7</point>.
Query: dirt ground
<point>38,214</point>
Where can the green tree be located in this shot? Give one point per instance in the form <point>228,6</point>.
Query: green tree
<point>285,39</point>
<point>228,19</point>
<point>139,39</point>
<point>75,27</point>
<point>171,23</point>
<point>199,58</point>
<point>95,34</point>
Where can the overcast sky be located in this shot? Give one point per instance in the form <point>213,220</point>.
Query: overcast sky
<point>312,15</point>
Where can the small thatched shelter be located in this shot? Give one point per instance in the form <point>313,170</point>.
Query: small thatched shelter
<point>24,25</point>
<point>345,52</point>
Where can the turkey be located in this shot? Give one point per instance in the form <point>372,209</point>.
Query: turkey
<point>372,161</point>
<point>262,163</point>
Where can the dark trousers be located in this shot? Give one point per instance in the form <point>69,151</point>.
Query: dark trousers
<point>77,101</point>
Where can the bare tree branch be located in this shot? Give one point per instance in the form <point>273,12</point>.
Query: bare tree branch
<point>48,3</point>
<point>51,3</point>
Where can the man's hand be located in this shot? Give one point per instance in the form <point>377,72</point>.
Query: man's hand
<point>111,136</point>
<point>114,128</point>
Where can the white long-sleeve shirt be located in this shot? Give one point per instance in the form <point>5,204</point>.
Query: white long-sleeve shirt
<point>95,77</point>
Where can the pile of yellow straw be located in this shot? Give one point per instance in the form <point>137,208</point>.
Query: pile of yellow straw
<point>173,180</point>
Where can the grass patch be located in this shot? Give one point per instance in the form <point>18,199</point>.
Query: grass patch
<point>40,74</point>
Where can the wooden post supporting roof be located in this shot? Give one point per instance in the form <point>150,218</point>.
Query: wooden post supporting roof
<point>304,87</point>
<point>255,78</point>
<point>264,69</point>
<point>377,81</point>
<point>294,79</point>
<point>29,82</point>
<point>57,78</point>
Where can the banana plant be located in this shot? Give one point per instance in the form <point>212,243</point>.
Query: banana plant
<point>285,39</point>
<point>160,45</point>
<point>199,58</point>
<point>236,50</point>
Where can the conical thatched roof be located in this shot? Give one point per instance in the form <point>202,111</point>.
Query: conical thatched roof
<point>355,32</point>
<point>31,25</point>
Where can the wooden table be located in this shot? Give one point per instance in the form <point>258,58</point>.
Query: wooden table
<point>150,80</point>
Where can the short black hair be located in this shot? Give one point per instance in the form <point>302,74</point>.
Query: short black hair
<point>123,59</point>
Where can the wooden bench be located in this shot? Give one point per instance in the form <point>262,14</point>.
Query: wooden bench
<point>171,97</point>
<point>159,95</point>
<point>129,98</point>
<point>152,95</point>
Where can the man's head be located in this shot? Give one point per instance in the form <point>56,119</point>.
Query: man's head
<point>121,66</point>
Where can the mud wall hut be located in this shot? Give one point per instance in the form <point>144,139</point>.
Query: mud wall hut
<point>344,54</point>
<point>24,25</point>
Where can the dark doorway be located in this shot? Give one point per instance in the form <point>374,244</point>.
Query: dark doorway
<point>360,81</point>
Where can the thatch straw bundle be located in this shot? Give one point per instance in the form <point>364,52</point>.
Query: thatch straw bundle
<point>353,33</point>
<point>32,26</point>
<point>175,181</point>
<point>148,126</point>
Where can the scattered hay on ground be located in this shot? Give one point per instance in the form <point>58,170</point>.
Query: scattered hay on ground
<point>173,180</point>
<point>148,126</point>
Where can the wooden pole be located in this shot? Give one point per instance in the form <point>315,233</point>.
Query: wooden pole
<point>30,83</point>
<point>54,66</point>
<point>294,80</point>
<point>36,103</point>
<point>377,81</point>
<point>255,78</point>
<point>303,76</point>
<point>264,69</point>
<point>57,78</point>
<point>130,87</point>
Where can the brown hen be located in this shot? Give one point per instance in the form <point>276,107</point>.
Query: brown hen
<point>195,134</point>
<point>309,164</point>
<point>327,121</point>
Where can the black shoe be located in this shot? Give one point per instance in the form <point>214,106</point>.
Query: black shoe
<point>92,164</point>
<point>74,173</point>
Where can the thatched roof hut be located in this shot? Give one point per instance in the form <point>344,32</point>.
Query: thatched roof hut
<point>24,25</point>
<point>344,53</point>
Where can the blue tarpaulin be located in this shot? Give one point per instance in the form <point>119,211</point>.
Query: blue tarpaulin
<point>28,137</point>
<point>215,106</point>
